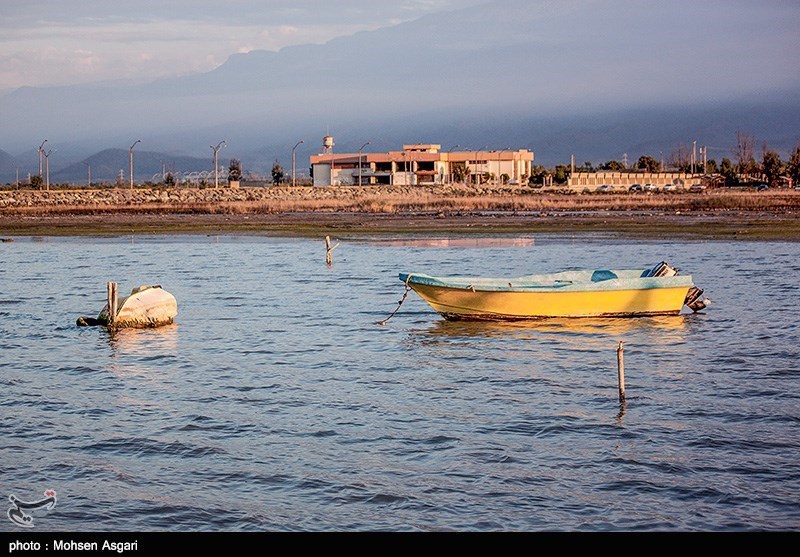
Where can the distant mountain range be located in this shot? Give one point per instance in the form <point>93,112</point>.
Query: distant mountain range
<point>109,164</point>
<point>597,79</point>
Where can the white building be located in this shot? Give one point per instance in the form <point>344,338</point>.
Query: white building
<point>421,164</point>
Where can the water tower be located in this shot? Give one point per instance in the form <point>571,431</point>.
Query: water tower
<point>327,145</point>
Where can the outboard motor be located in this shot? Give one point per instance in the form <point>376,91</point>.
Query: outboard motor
<point>693,300</point>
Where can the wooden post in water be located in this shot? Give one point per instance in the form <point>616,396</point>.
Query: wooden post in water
<point>328,258</point>
<point>328,250</point>
<point>112,302</point>
<point>621,372</point>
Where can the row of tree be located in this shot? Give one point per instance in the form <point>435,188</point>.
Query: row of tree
<point>235,173</point>
<point>742,169</point>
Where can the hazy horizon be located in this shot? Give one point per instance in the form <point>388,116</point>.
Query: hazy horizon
<point>545,75</point>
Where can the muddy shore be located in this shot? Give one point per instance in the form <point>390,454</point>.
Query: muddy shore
<point>358,212</point>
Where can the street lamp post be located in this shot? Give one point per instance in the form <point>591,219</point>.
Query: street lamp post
<point>450,164</point>
<point>41,151</point>
<point>359,162</point>
<point>131,159</point>
<point>216,166</point>
<point>294,180</point>
<point>47,168</point>
<point>499,163</point>
<point>478,177</point>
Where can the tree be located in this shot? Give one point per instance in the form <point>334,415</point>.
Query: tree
<point>711,166</point>
<point>235,170</point>
<point>613,166</point>
<point>793,166</point>
<point>648,164</point>
<point>169,179</point>
<point>277,173</point>
<point>745,162</point>
<point>679,158</point>
<point>772,167</point>
<point>560,174</point>
<point>538,172</point>
<point>460,172</point>
<point>727,170</point>
<point>504,178</point>
<point>36,181</point>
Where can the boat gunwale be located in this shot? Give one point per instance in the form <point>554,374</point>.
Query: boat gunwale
<point>478,284</point>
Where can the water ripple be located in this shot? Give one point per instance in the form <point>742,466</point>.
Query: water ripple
<point>275,403</point>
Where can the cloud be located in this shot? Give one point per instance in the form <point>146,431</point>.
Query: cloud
<point>42,40</point>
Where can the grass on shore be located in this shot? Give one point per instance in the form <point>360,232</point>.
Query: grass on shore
<point>368,201</point>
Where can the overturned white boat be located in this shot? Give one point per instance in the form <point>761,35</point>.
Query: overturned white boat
<point>147,306</point>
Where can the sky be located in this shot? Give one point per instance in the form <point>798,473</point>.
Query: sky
<point>527,69</point>
<point>65,42</point>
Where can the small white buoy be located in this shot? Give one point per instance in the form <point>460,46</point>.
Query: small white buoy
<point>146,306</point>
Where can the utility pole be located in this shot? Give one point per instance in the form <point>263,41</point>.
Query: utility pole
<point>705,159</point>
<point>216,166</point>
<point>47,167</point>
<point>572,165</point>
<point>694,155</point>
<point>41,151</point>
<point>131,159</point>
<point>625,160</point>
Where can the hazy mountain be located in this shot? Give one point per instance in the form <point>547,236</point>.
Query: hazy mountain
<point>107,164</point>
<point>557,77</point>
<point>8,168</point>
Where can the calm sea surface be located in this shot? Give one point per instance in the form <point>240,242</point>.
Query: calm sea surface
<point>275,402</point>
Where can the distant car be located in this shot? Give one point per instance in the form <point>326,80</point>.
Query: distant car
<point>670,187</point>
<point>762,187</point>
<point>636,188</point>
<point>605,188</point>
<point>697,187</point>
<point>650,187</point>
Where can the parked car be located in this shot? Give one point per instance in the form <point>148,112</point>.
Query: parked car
<point>650,187</point>
<point>762,187</point>
<point>636,188</point>
<point>605,188</point>
<point>697,187</point>
<point>670,187</point>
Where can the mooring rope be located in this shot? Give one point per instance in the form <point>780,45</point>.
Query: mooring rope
<point>399,304</point>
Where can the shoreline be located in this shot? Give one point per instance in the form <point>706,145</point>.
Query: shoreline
<point>374,211</point>
<point>701,226</point>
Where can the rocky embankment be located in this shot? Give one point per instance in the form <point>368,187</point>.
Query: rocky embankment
<point>185,196</point>
<point>377,199</point>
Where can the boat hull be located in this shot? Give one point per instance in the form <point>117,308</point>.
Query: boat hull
<point>466,304</point>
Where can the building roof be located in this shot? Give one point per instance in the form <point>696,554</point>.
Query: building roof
<point>424,156</point>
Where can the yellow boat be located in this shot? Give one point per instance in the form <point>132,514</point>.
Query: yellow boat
<point>598,293</point>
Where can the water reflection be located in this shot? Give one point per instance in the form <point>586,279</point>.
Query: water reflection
<point>669,327</point>
<point>455,242</point>
<point>143,342</point>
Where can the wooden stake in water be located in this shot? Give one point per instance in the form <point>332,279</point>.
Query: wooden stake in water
<point>112,302</point>
<point>621,372</point>
<point>328,250</point>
